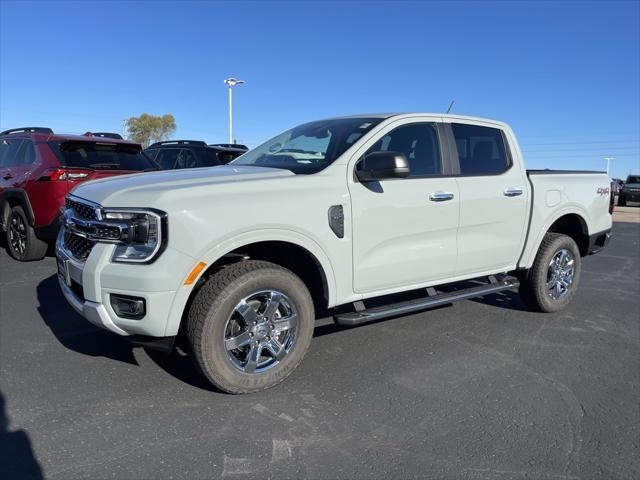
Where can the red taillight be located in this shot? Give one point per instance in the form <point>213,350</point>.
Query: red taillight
<point>63,174</point>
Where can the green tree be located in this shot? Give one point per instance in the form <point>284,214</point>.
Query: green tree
<point>146,128</point>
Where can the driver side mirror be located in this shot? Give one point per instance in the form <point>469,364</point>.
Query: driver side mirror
<point>381,166</point>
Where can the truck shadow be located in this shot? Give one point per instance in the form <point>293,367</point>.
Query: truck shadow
<point>75,333</point>
<point>17,459</point>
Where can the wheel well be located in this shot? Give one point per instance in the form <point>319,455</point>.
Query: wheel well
<point>288,255</point>
<point>575,227</point>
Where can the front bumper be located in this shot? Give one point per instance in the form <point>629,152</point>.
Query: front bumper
<point>87,287</point>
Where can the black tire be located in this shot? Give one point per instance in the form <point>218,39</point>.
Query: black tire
<point>533,284</point>
<point>22,243</point>
<point>215,303</point>
<point>622,201</point>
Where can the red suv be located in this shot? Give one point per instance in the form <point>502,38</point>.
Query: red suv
<point>38,168</point>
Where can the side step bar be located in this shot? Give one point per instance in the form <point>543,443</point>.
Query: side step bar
<point>434,300</point>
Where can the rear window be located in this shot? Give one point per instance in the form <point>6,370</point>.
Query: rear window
<point>101,156</point>
<point>481,150</point>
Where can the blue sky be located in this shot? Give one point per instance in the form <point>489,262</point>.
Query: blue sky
<point>565,75</point>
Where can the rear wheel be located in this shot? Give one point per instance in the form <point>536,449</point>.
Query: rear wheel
<point>551,282</point>
<point>250,325</point>
<point>22,243</point>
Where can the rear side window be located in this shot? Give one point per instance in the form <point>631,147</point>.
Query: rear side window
<point>151,153</point>
<point>9,152</point>
<point>481,150</point>
<point>419,144</point>
<point>101,156</point>
<point>26,154</point>
<point>167,158</point>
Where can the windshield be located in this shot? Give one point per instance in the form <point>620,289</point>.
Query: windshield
<point>633,179</point>
<point>310,147</point>
<point>102,156</point>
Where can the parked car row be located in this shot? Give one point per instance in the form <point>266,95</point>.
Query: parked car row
<point>38,168</point>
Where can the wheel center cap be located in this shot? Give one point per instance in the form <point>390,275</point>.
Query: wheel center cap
<point>262,331</point>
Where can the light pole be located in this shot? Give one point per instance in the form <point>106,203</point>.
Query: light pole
<point>231,82</point>
<point>608,159</point>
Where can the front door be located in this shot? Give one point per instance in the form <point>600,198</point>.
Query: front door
<point>404,230</point>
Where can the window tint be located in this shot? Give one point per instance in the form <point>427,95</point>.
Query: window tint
<point>419,144</point>
<point>481,150</point>
<point>103,156</point>
<point>9,151</point>
<point>151,153</point>
<point>186,159</point>
<point>26,155</point>
<point>214,159</point>
<point>167,158</point>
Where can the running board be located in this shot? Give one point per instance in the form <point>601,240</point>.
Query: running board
<point>434,300</point>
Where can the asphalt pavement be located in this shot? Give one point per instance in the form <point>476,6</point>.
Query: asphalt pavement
<point>481,389</point>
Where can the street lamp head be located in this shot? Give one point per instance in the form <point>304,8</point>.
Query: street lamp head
<point>232,82</point>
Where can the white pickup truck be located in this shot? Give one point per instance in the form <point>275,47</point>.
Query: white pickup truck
<point>237,260</point>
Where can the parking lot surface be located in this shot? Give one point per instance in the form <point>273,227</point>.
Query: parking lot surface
<point>480,389</point>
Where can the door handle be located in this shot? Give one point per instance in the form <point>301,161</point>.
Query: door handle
<point>512,192</point>
<point>7,176</point>
<point>440,196</point>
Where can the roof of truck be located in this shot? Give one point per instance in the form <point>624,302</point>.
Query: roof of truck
<point>448,116</point>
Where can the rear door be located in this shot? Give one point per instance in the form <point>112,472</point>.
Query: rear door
<point>8,150</point>
<point>404,230</point>
<point>21,164</point>
<point>493,200</point>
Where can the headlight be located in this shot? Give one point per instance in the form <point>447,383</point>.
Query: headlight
<point>143,233</point>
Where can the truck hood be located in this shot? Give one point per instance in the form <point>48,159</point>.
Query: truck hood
<point>113,191</point>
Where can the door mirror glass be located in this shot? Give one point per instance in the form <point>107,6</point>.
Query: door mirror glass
<point>381,166</point>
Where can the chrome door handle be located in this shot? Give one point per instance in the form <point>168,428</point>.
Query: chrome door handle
<point>440,196</point>
<point>512,192</point>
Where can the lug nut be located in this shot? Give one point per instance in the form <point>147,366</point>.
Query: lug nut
<point>251,334</point>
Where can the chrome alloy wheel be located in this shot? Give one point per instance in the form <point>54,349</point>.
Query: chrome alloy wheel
<point>260,331</point>
<point>560,274</point>
<point>18,234</point>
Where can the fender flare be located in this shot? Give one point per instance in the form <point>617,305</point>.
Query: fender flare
<point>527,258</point>
<point>23,199</point>
<point>234,242</point>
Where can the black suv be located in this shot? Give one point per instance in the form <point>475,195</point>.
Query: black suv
<point>173,154</point>
<point>630,191</point>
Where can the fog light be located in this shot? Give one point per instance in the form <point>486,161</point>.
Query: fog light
<point>126,306</point>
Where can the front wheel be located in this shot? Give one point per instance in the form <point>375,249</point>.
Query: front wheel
<point>550,284</point>
<point>250,325</point>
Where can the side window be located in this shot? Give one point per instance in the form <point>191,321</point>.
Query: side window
<point>213,158</point>
<point>26,155</point>
<point>419,144</point>
<point>151,153</point>
<point>167,158</point>
<point>186,159</point>
<point>481,150</point>
<point>9,152</point>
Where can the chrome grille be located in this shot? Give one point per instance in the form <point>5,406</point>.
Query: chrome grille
<point>78,246</point>
<point>81,210</point>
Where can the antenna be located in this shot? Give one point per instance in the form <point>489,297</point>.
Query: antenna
<point>450,106</point>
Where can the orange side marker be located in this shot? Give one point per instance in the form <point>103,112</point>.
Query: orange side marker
<point>194,273</point>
